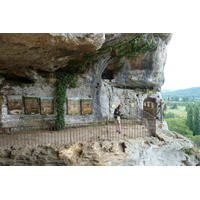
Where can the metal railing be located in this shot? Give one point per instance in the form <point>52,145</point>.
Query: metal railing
<point>91,131</point>
<point>147,119</point>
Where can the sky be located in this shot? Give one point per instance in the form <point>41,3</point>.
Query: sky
<point>182,65</point>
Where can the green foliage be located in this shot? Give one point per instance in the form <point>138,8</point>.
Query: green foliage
<point>174,106</point>
<point>196,122</point>
<point>190,151</point>
<point>185,99</point>
<point>191,137</point>
<point>190,118</point>
<point>179,126</point>
<point>64,80</point>
<point>179,104</point>
<point>67,76</point>
<point>140,44</point>
<point>179,112</point>
<point>192,115</point>
<point>196,140</point>
<point>177,123</point>
<point>131,49</point>
<point>186,94</point>
<point>118,67</point>
<point>197,156</point>
<point>169,115</point>
<point>175,98</point>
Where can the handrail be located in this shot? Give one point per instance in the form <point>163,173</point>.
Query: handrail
<point>147,119</point>
<point>78,132</point>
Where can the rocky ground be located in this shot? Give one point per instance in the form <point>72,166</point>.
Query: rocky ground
<point>166,149</point>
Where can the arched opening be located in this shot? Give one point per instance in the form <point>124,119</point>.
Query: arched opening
<point>150,106</point>
<point>108,74</point>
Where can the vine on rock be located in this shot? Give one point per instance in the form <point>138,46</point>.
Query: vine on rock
<point>64,80</point>
<point>142,43</point>
<point>131,49</point>
<point>67,76</point>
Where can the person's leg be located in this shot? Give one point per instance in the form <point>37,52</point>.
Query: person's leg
<point>119,126</point>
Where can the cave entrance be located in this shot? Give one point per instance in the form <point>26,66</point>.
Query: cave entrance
<point>17,79</point>
<point>150,106</point>
<point>108,74</point>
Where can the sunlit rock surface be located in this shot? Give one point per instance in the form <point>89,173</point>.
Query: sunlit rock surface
<point>23,54</point>
<point>167,149</point>
<point>26,54</point>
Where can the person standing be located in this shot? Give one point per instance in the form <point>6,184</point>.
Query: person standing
<point>117,116</point>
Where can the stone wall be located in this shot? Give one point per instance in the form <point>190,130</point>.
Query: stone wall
<point>105,98</point>
<point>41,89</point>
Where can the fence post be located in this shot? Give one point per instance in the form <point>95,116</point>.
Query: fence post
<point>107,120</point>
<point>28,138</point>
<point>70,135</point>
<point>154,125</point>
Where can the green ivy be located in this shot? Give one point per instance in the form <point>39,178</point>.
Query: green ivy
<point>67,76</point>
<point>142,43</point>
<point>131,49</point>
<point>64,80</point>
<point>118,67</point>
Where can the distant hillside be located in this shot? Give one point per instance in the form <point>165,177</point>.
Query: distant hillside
<point>167,90</point>
<point>189,92</point>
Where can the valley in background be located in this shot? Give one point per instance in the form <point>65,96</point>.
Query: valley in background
<point>182,112</point>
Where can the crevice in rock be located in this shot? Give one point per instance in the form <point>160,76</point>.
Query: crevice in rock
<point>123,147</point>
<point>198,164</point>
<point>17,79</point>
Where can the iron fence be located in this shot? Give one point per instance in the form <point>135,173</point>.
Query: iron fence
<point>90,131</point>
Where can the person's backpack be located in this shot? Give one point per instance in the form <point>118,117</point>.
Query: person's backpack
<point>116,112</point>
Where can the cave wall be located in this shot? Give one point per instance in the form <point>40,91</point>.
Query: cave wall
<point>105,94</point>
<point>141,77</point>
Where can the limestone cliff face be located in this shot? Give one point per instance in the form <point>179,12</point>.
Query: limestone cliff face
<point>26,65</point>
<point>24,55</point>
<point>29,58</point>
<point>167,149</point>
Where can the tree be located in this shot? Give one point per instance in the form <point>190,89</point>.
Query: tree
<point>196,121</point>
<point>185,99</point>
<point>196,140</point>
<point>187,107</point>
<point>169,115</point>
<point>174,106</point>
<point>190,117</point>
<point>179,125</point>
<point>176,99</point>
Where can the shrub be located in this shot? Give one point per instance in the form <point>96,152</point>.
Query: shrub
<point>197,140</point>
<point>169,115</point>
<point>179,125</point>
